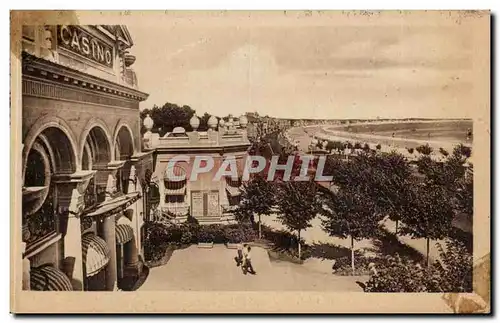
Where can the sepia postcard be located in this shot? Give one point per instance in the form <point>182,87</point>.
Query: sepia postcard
<point>250,162</point>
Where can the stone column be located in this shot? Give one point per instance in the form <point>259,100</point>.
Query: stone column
<point>111,188</point>
<point>73,262</point>
<point>134,218</point>
<point>70,191</point>
<point>131,257</point>
<point>106,230</point>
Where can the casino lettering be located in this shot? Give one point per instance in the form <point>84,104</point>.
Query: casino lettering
<point>80,42</point>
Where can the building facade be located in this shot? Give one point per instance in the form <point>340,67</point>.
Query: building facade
<point>206,199</point>
<point>83,165</point>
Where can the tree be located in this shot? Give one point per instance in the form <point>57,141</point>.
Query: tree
<point>449,174</point>
<point>388,183</point>
<point>204,122</point>
<point>465,196</point>
<point>257,198</point>
<point>429,213</point>
<point>350,213</point>
<point>298,204</point>
<point>171,115</point>
<point>424,149</point>
<point>462,150</point>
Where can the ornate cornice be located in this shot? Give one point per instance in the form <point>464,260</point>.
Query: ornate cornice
<point>40,68</point>
<point>48,89</point>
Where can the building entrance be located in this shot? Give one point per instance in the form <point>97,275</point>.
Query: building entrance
<point>205,204</point>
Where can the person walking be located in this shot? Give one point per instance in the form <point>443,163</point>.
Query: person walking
<point>244,260</point>
<point>248,262</point>
<point>239,257</point>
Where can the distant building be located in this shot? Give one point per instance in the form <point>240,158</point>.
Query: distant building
<point>82,163</point>
<point>206,200</point>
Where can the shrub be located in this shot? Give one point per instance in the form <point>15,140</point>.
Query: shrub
<point>424,149</point>
<point>462,150</point>
<point>211,233</point>
<point>395,274</point>
<point>191,232</point>
<point>187,237</point>
<point>378,147</point>
<point>453,273</point>
<point>154,252</point>
<point>156,241</point>
<point>234,235</point>
<point>174,233</point>
<point>342,265</point>
<point>410,150</point>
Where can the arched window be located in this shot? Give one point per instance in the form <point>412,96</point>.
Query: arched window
<point>50,153</point>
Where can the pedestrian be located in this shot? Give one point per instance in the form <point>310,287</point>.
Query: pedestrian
<point>244,259</point>
<point>239,256</point>
<point>248,262</point>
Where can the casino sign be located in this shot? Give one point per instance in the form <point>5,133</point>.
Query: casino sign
<point>80,42</point>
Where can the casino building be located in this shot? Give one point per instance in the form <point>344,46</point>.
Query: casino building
<point>83,167</point>
<point>206,199</point>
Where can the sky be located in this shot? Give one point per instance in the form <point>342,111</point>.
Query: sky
<point>340,69</point>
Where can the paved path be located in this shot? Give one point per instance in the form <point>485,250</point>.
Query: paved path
<point>196,269</point>
<point>418,244</point>
<point>316,234</point>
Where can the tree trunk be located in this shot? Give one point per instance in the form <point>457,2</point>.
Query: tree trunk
<point>352,254</point>
<point>397,221</point>
<point>427,258</point>
<point>260,229</point>
<point>299,246</point>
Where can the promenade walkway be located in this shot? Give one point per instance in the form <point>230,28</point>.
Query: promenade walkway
<point>196,269</point>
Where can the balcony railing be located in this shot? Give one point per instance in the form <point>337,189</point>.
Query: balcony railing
<point>41,224</point>
<point>175,210</point>
<point>93,195</point>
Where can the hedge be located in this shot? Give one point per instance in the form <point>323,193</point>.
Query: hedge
<point>159,236</point>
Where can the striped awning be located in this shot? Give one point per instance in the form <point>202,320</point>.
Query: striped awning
<point>175,191</point>
<point>114,205</point>
<point>233,191</point>
<point>177,171</point>
<point>49,278</point>
<point>124,233</point>
<point>95,253</point>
